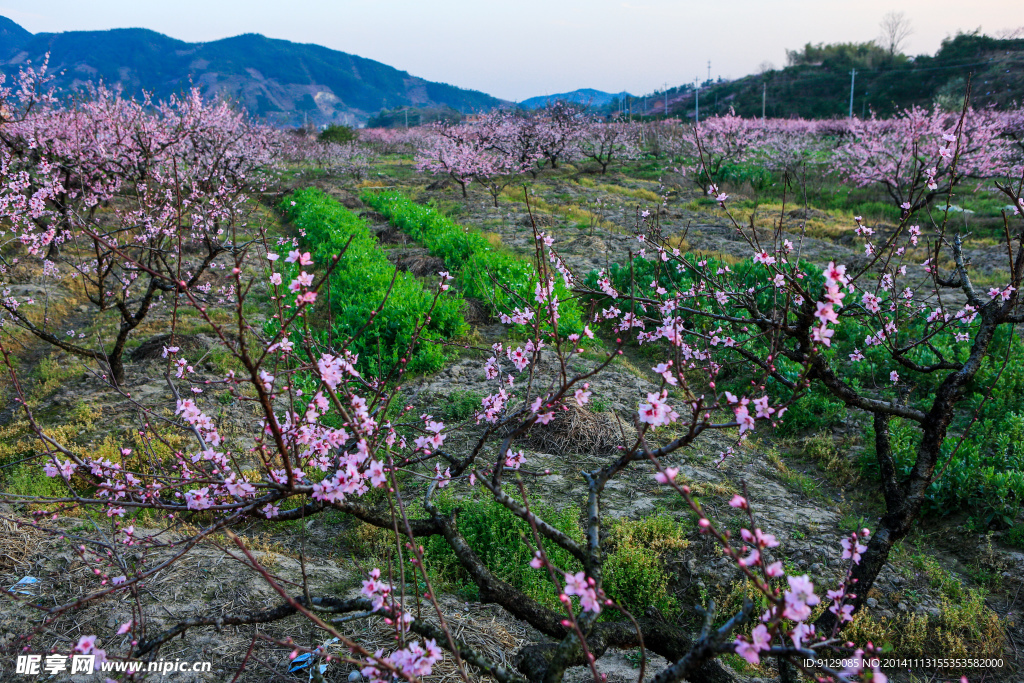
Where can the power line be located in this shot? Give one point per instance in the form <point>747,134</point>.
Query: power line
<point>883,72</point>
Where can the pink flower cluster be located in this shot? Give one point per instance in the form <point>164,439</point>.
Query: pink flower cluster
<point>579,584</point>
<point>413,661</point>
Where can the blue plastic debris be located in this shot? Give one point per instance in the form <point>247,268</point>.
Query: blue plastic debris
<point>24,586</point>
<point>303,661</point>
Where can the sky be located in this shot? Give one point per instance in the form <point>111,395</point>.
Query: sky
<point>515,49</point>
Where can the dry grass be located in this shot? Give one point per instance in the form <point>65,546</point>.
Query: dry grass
<point>486,628</point>
<point>570,211</point>
<point>634,193</point>
<point>580,431</point>
<point>209,582</point>
<point>18,543</point>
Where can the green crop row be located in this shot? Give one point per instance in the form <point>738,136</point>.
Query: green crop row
<point>360,282</point>
<point>475,264</point>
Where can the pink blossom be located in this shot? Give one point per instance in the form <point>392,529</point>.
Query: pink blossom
<point>303,259</point>
<point>577,584</point>
<point>852,548</point>
<point>826,313</point>
<point>744,418</point>
<point>836,275</point>
<point>665,370</point>
<point>656,411</point>
<point>514,460</point>
<point>198,499</point>
<point>669,475</point>
<point>759,538</point>
<point>760,640</point>
<point>86,644</point>
<point>763,410</point>
<point>801,633</point>
<point>519,358</point>
<point>822,335</point>
<point>799,598</point>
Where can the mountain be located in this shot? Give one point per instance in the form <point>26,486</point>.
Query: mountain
<point>587,96</point>
<point>12,36</point>
<point>283,82</point>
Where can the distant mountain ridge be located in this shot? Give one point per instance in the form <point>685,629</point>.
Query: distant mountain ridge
<point>585,96</point>
<point>284,82</point>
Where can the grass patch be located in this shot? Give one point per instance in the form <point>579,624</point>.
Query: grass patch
<point>633,571</point>
<point>965,628</point>
<point>792,479</point>
<point>462,404</point>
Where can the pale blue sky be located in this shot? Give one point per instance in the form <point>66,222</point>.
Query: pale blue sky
<point>519,49</point>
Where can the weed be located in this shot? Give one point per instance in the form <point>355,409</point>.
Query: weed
<point>1015,536</point>
<point>821,448</point>
<point>633,574</point>
<point>462,404</point>
<point>660,533</point>
<point>797,481</point>
<point>634,657</point>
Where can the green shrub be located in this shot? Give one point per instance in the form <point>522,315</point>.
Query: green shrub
<point>984,473</point>
<point>1015,536</point>
<point>462,404</point>
<point>474,262</point>
<point>496,536</point>
<point>359,283</point>
<point>817,409</point>
<point>633,572</point>
<point>29,480</point>
<point>757,175</point>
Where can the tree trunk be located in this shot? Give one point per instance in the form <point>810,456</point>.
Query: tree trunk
<point>903,500</point>
<point>115,361</point>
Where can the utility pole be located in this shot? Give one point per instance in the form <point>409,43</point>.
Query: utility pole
<point>709,69</point>
<point>407,117</point>
<point>666,100</point>
<point>853,76</point>
<point>764,98</point>
<point>696,101</point>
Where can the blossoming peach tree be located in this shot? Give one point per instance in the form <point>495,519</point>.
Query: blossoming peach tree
<point>331,437</point>
<point>134,199</point>
<point>914,328</point>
